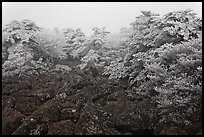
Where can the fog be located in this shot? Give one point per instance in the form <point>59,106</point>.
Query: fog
<point>86,15</point>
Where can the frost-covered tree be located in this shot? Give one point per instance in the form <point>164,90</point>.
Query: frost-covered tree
<point>17,32</point>
<point>149,32</point>
<point>183,24</point>
<point>20,31</point>
<point>75,40</point>
<point>27,47</point>
<point>50,43</point>
<point>93,49</point>
<point>165,63</point>
<point>98,38</point>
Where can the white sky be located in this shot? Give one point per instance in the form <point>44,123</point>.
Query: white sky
<point>86,15</point>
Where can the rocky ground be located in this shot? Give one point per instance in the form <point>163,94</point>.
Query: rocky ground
<point>77,102</point>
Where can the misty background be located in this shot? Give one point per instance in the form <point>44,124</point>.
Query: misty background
<point>86,15</point>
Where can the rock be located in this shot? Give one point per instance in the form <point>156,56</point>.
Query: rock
<point>80,125</point>
<point>31,127</point>
<point>70,113</point>
<point>112,97</point>
<point>78,82</point>
<point>73,110</point>
<point>61,128</point>
<point>129,117</point>
<point>61,96</point>
<point>44,95</point>
<point>111,108</point>
<point>8,102</point>
<point>94,71</point>
<point>27,105</point>
<point>87,126</point>
<point>60,103</point>
<point>68,104</point>
<point>94,121</point>
<point>39,129</point>
<point>48,112</point>
<point>11,120</point>
<point>26,127</point>
<point>173,131</point>
<point>101,92</point>
<point>80,97</point>
<point>11,102</point>
<point>127,133</point>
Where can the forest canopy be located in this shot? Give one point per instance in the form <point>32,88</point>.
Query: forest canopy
<point>158,57</point>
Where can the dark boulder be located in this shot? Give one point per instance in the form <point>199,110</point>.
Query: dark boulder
<point>61,128</point>
<point>27,105</point>
<point>11,120</point>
